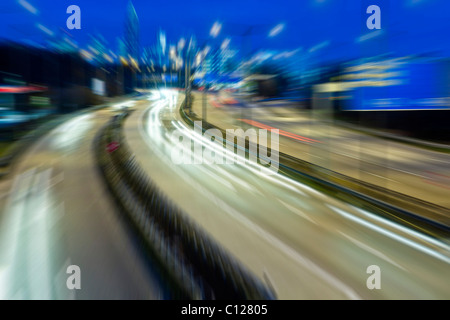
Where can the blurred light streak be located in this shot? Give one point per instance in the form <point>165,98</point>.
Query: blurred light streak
<point>108,58</point>
<point>72,132</point>
<point>181,44</point>
<point>282,132</point>
<point>123,105</point>
<point>263,172</point>
<point>40,281</point>
<point>45,29</point>
<point>372,251</point>
<point>215,30</point>
<point>21,89</point>
<point>392,235</point>
<point>28,6</point>
<point>319,46</point>
<point>10,230</point>
<point>225,44</point>
<point>276,30</point>
<point>302,260</point>
<point>86,55</point>
<point>124,61</point>
<point>403,229</point>
<point>370,35</point>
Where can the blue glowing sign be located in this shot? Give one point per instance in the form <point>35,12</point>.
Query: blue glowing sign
<point>407,86</point>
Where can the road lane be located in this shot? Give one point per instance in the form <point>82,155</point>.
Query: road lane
<point>57,212</point>
<point>308,244</point>
<point>417,172</point>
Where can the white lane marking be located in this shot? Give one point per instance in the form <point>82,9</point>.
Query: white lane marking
<point>152,118</point>
<point>372,251</point>
<point>216,178</point>
<point>258,170</point>
<point>439,160</point>
<point>10,228</point>
<point>269,281</point>
<point>408,172</point>
<point>57,179</point>
<point>287,250</point>
<point>403,229</point>
<point>381,177</point>
<point>39,279</point>
<point>297,212</point>
<point>241,182</point>
<point>391,235</point>
<point>377,164</point>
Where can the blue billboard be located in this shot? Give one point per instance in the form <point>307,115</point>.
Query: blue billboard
<point>416,85</point>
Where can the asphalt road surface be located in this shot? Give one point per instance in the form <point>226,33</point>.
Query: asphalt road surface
<point>303,243</point>
<point>56,213</point>
<point>314,137</point>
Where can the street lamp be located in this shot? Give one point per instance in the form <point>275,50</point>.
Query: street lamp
<point>188,73</point>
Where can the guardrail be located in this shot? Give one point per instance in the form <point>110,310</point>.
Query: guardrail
<point>198,265</point>
<point>422,216</point>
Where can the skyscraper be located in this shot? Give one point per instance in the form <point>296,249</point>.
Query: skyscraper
<point>132,32</point>
<point>161,48</point>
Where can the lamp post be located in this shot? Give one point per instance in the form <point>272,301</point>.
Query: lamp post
<point>187,74</point>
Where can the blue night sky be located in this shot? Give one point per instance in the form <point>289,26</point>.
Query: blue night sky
<point>409,26</point>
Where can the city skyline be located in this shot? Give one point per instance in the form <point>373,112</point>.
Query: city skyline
<point>329,25</point>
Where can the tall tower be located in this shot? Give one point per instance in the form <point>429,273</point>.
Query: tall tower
<point>132,32</point>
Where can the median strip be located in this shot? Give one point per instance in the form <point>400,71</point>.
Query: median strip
<point>200,267</point>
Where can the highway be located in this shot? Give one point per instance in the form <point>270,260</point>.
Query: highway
<point>303,243</point>
<point>417,172</point>
<point>56,212</point>
<point>116,182</point>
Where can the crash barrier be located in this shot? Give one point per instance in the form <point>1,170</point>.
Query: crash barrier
<point>200,267</point>
<point>419,215</point>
